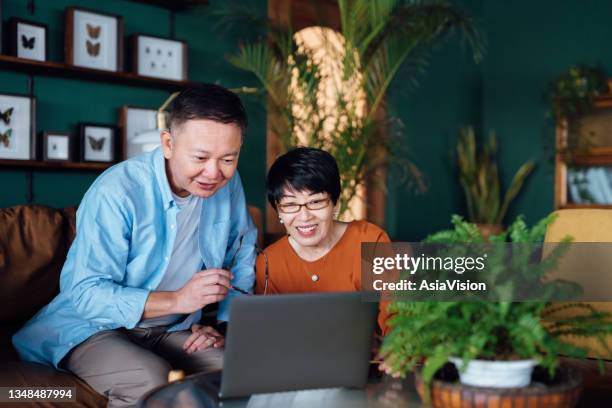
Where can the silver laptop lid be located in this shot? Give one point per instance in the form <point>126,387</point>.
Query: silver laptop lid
<point>299,341</point>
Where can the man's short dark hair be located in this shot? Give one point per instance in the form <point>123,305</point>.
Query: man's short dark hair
<point>207,101</point>
<point>303,169</point>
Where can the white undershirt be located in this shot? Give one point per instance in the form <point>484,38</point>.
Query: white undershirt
<point>186,259</point>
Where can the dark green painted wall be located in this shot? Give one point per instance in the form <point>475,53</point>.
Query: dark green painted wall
<point>529,43</point>
<point>62,103</point>
<point>449,96</point>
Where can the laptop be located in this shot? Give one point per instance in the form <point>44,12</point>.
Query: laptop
<point>297,342</point>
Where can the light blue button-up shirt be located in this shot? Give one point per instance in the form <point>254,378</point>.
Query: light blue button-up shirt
<point>121,250</point>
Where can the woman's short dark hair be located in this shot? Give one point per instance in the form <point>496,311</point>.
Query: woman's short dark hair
<point>207,101</point>
<point>303,169</point>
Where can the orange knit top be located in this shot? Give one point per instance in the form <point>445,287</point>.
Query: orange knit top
<point>337,271</point>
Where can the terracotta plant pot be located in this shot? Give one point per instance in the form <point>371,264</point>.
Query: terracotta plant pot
<point>562,391</point>
<point>490,229</point>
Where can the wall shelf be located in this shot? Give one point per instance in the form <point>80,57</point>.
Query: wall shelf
<point>604,101</point>
<point>575,206</point>
<point>60,70</point>
<point>52,69</point>
<point>594,157</point>
<point>50,165</point>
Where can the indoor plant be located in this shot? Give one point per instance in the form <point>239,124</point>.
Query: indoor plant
<point>572,95</point>
<point>377,40</point>
<point>433,332</point>
<point>479,178</point>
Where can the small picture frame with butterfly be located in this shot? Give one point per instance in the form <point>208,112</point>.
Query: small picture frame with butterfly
<point>158,57</point>
<point>93,39</point>
<point>27,39</point>
<point>56,146</point>
<point>17,127</point>
<point>97,143</point>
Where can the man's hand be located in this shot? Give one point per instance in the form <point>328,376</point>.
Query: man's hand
<point>203,337</point>
<point>205,287</point>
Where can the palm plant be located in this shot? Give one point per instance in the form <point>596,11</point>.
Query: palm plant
<point>378,39</point>
<point>479,179</point>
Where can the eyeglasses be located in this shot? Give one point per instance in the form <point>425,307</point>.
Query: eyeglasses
<point>292,208</point>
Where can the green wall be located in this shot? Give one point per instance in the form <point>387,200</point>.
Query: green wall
<point>449,96</point>
<point>62,103</point>
<point>529,44</point>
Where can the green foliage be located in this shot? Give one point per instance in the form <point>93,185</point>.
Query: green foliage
<point>573,92</point>
<point>378,39</point>
<point>479,178</point>
<point>466,232</point>
<point>433,331</point>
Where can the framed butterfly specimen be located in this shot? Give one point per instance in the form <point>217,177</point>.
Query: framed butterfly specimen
<point>97,142</point>
<point>158,57</point>
<point>93,39</point>
<point>17,127</point>
<point>56,146</point>
<point>27,39</point>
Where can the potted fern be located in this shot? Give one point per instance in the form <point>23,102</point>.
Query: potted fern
<point>479,178</point>
<point>426,336</point>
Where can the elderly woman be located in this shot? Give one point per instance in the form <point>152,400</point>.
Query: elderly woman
<point>319,253</point>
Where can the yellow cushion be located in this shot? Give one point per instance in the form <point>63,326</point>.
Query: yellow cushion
<point>585,225</point>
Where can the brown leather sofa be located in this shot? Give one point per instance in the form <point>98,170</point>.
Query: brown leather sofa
<point>34,241</point>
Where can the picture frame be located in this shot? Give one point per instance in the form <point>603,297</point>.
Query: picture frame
<point>97,143</point>
<point>56,146</point>
<point>17,127</point>
<point>138,130</point>
<point>158,57</point>
<point>93,39</point>
<point>27,39</point>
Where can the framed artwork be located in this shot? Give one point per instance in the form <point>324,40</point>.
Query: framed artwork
<point>27,39</point>
<point>97,142</point>
<point>93,39</point>
<point>56,146</point>
<point>17,127</point>
<point>139,133</point>
<point>158,57</point>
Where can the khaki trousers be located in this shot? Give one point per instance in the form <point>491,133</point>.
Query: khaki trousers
<point>124,364</point>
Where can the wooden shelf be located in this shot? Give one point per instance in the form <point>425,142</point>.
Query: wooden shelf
<point>605,101</point>
<point>56,69</point>
<point>50,165</point>
<point>596,156</point>
<point>592,159</point>
<point>175,5</point>
<point>602,102</point>
<point>576,206</point>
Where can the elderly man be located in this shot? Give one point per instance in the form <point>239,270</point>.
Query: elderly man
<point>158,237</point>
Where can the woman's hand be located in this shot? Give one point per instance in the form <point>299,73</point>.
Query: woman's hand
<point>203,337</point>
